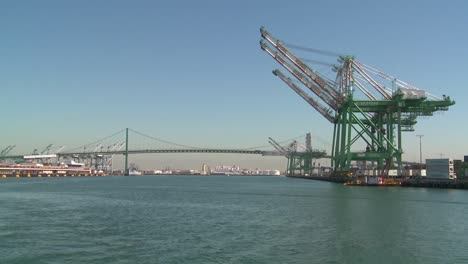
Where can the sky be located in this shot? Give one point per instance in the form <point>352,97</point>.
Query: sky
<point>192,72</point>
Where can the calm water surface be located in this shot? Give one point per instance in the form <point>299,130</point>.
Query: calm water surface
<point>196,219</point>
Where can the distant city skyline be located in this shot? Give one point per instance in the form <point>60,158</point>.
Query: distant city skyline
<point>193,72</point>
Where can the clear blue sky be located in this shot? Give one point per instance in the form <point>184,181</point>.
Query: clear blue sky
<point>192,72</point>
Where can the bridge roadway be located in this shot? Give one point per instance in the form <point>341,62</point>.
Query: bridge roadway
<point>147,151</point>
<point>143,151</point>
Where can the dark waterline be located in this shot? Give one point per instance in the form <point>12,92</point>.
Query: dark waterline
<point>199,219</point>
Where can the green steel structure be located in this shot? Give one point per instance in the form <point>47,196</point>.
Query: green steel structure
<point>367,128</point>
<point>301,163</point>
<point>126,172</point>
<point>462,171</point>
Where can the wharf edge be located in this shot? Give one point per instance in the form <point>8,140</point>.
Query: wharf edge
<point>418,182</point>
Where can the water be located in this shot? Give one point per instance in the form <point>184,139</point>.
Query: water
<point>196,219</point>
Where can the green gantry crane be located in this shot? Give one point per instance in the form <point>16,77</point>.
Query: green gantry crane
<point>366,129</point>
<point>299,162</point>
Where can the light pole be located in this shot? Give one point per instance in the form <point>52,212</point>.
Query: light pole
<point>420,154</point>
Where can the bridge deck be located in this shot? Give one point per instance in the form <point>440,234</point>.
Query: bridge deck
<point>147,151</point>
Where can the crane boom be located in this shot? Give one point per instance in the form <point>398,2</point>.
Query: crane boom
<point>277,145</point>
<point>3,152</point>
<point>385,76</point>
<point>277,148</point>
<point>320,108</point>
<point>7,150</point>
<point>46,149</point>
<point>121,145</point>
<point>97,147</point>
<point>369,79</point>
<point>302,66</point>
<point>325,97</point>
<point>364,90</point>
<point>60,149</point>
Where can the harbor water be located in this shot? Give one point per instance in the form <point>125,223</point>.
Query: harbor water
<point>219,219</point>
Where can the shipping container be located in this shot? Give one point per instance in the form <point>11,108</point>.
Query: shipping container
<point>440,168</point>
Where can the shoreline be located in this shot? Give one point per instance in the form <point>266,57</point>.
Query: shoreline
<point>417,183</point>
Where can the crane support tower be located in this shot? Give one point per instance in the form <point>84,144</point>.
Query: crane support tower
<point>368,115</point>
<point>299,162</point>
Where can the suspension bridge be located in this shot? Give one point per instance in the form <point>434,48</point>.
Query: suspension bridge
<point>99,153</point>
<point>368,109</point>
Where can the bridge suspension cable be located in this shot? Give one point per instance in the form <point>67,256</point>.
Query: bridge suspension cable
<point>97,141</point>
<point>164,141</point>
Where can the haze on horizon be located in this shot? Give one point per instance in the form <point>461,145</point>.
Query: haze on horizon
<point>193,72</point>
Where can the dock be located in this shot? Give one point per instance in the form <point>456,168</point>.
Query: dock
<point>404,182</point>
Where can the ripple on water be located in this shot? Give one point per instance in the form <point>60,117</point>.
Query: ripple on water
<point>226,220</point>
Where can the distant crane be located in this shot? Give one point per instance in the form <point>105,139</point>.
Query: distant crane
<point>375,122</point>
<point>59,149</point>
<point>278,147</point>
<point>299,162</point>
<point>46,149</point>
<point>7,150</point>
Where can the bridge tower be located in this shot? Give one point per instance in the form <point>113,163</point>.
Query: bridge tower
<point>126,172</point>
